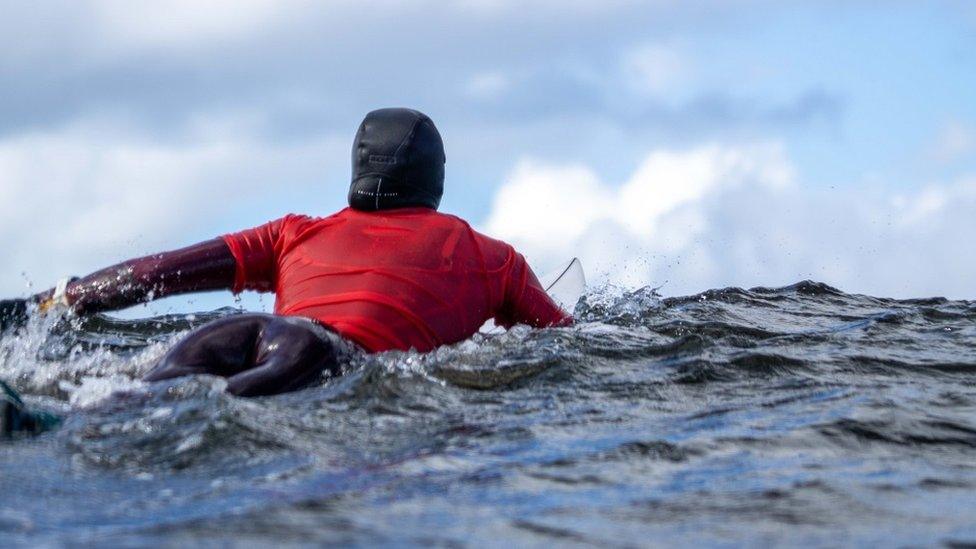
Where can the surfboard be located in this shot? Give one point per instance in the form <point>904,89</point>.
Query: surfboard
<point>565,285</point>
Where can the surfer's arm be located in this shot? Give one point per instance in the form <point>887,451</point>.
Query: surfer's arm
<point>205,266</point>
<point>526,301</point>
<point>238,261</point>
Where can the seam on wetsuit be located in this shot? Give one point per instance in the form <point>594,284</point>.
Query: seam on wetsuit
<point>410,134</point>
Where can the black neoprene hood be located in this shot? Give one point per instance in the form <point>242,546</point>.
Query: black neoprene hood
<point>397,161</point>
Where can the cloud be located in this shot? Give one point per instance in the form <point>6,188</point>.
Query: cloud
<point>955,141</point>
<point>655,69</point>
<point>487,85</point>
<point>83,198</point>
<point>186,23</point>
<point>722,215</point>
<point>169,121</point>
<point>161,64</point>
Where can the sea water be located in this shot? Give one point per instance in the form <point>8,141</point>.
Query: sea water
<point>796,415</point>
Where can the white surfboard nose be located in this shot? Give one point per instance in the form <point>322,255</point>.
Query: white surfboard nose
<point>565,286</point>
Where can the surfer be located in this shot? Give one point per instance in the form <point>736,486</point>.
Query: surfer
<point>388,272</point>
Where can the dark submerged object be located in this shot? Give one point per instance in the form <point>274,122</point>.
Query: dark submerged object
<point>397,161</point>
<point>15,418</point>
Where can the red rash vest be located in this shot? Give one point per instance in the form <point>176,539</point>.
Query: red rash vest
<point>394,279</point>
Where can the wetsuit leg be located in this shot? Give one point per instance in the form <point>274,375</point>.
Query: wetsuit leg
<point>259,354</point>
<point>224,347</point>
<point>292,352</point>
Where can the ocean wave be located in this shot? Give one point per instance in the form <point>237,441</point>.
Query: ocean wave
<point>791,406</point>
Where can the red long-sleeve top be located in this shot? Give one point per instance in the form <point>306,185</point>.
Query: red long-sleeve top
<point>394,279</point>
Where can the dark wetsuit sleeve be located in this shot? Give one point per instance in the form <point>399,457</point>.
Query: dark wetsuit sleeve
<point>526,301</point>
<point>256,254</point>
<point>201,267</point>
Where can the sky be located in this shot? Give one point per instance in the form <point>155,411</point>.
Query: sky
<point>681,145</point>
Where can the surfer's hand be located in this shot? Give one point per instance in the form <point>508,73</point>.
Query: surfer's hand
<point>13,313</point>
